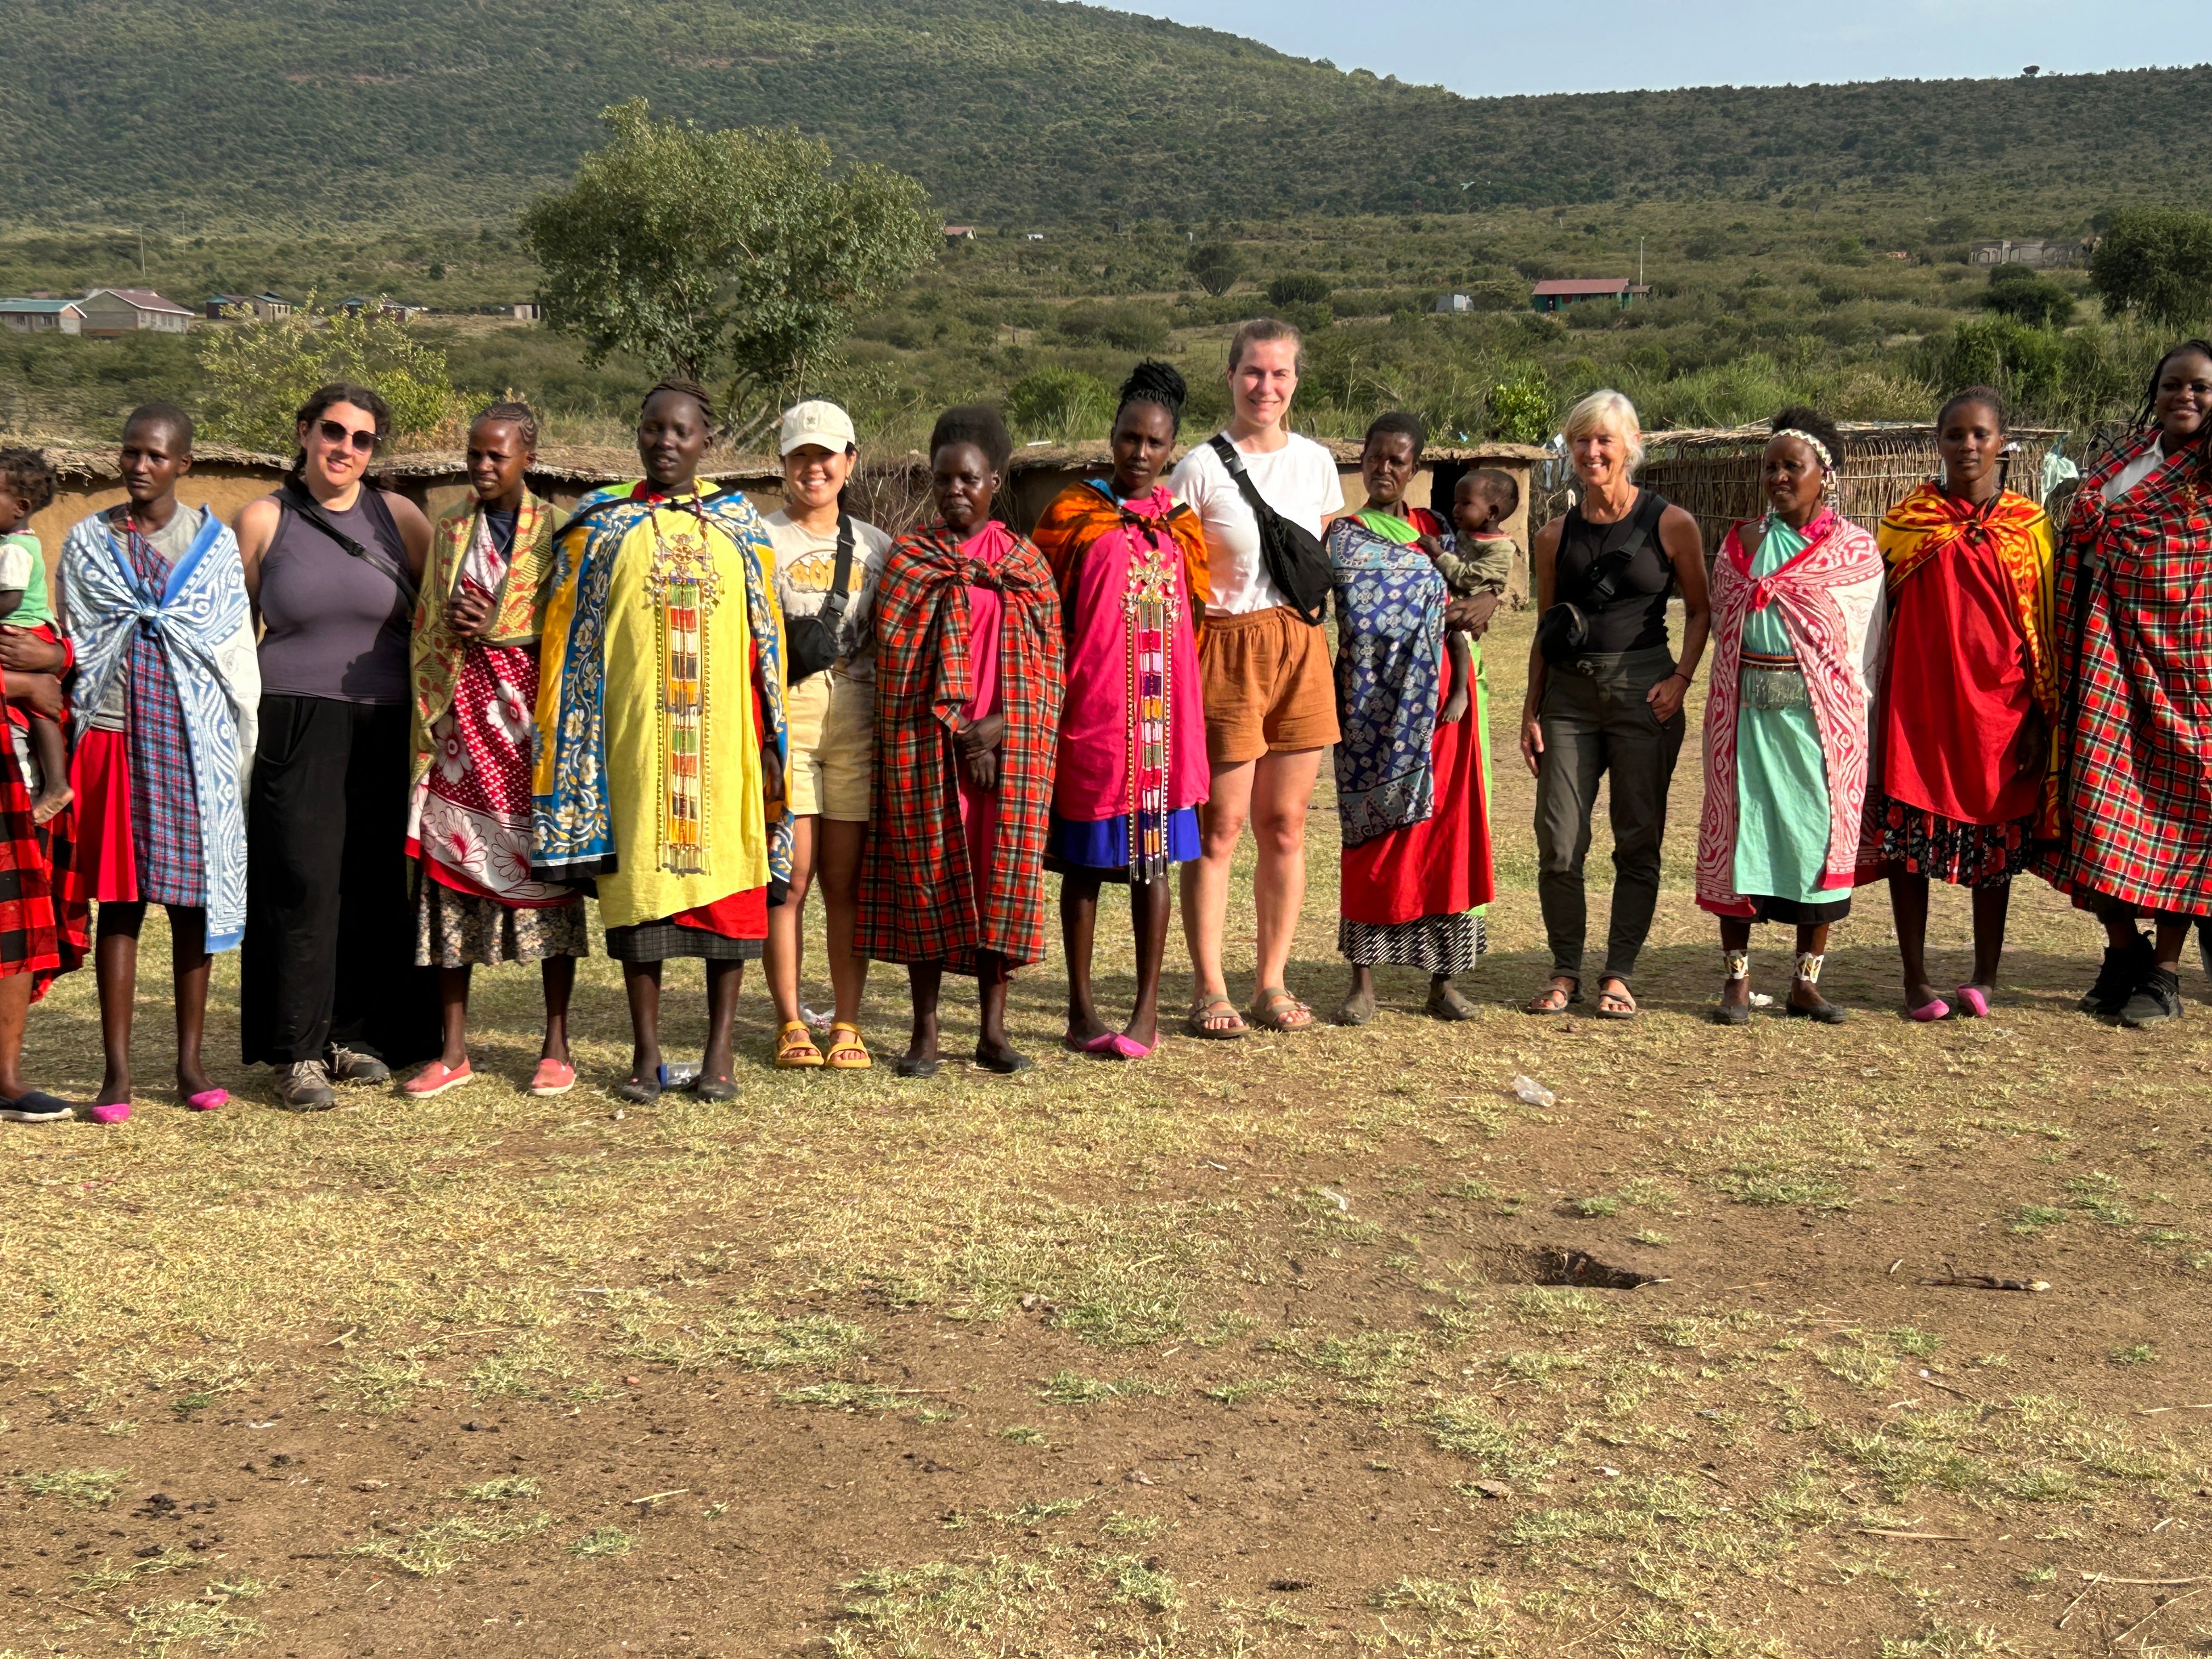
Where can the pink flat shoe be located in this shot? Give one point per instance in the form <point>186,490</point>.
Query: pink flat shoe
<point>1929,1012</point>
<point>207,1100</point>
<point>436,1078</point>
<point>1115,1046</point>
<point>1972,1003</point>
<point>552,1077</point>
<point>119,1112</point>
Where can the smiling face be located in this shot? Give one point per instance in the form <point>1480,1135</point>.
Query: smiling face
<point>498,457</point>
<point>673,432</point>
<point>2184,400</point>
<point>1601,457</point>
<point>1790,474</point>
<point>962,481</point>
<point>1476,509</point>
<point>813,476</point>
<point>1970,440</point>
<point>339,444</point>
<point>1144,437</point>
<point>153,457</point>
<point>1264,381</point>
<point>1387,466</point>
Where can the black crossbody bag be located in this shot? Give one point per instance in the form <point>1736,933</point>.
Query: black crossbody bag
<point>812,643</point>
<point>1296,561</point>
<point>1563,631</point>
<point>298,501</point>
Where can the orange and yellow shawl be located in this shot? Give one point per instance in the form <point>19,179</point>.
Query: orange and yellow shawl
<point>1928,523</point>
<point>1079,516</point>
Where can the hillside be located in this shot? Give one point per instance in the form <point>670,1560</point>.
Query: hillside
<point>190,114</point>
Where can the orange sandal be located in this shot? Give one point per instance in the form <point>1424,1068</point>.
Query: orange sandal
<point>794,1047</point>
<point>847,1054</point>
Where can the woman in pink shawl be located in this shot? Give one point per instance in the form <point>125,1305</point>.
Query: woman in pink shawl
<point>1130,563</point>
<point>1797,615</point>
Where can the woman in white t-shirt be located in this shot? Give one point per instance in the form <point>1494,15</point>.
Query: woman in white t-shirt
<point>831,718</point>
<point>1264,674</point>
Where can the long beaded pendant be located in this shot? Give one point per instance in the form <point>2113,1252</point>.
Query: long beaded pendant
<point>1149,604</point>
<point>681,588</point>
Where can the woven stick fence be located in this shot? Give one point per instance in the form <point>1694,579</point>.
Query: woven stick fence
<point>1714,475</point>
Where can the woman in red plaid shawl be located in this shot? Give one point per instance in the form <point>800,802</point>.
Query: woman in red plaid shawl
<point>968,687</point>
<point>2133,573</point>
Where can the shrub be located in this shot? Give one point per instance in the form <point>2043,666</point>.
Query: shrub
<point>258,372</point>
<point>1124,327</point>
<point>1059,403</point>
<point>1521,406</point>
<point>2027,296</point>
<point>1215,266</point>
<point>2157,261</point>
<point>1300,288</point>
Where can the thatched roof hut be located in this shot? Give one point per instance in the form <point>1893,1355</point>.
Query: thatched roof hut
<point>1713,475</point>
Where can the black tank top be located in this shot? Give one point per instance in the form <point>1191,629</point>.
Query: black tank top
<point>1637,618</point>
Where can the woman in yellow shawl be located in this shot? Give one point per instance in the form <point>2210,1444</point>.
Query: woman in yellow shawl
<point>1963,757</point>
<point>659,771</point>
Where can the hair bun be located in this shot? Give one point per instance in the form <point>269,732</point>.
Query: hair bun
<point>1155,382</point>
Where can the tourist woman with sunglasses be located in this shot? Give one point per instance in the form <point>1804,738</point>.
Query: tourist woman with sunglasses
<point>330,991</point>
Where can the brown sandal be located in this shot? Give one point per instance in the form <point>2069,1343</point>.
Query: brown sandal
<point>1215,1007</point>
<point>1623,1001</point>
<point>1541,1002</point>
<point>846,1052</point>
<point>794,1047</point>
<point>1264,1013</point>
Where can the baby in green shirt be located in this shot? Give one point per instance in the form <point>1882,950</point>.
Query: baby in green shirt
<point>1479,561</point>
<point>27,484</point>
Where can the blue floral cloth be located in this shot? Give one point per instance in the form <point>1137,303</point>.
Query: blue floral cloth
<point>1390,632</point>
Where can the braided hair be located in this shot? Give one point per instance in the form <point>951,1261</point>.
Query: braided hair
<point>1152,382</point>
<point>1801,417</point>
<point>2147,415</point>
<point>978,425</point>
<point>520,416</point>
<point>681,387</point>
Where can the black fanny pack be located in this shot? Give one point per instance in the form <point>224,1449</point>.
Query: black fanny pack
<point>1297,563</point>
<point>1563,632</point>
<point>812,644</point>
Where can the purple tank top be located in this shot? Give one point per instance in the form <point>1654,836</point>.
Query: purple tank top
<point>333,625</point>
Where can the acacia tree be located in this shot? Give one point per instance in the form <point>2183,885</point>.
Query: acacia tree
<point>2157,261</point>
<point>737,255</point>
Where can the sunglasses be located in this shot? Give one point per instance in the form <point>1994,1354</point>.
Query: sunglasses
<point>335,432</point>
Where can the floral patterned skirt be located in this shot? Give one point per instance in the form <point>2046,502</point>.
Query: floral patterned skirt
<point>1917,841</point>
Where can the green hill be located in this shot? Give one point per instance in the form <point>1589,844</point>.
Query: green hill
<point>193,113</point>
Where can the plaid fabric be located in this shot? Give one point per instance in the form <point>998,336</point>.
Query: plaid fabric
<point>44,917</point>
<point>2133,578</point>
<point>165,805</point>
<point>918,902</point>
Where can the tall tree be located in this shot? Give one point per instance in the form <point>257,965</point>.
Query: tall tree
<point>740,255</point>
<point>2157,261</point>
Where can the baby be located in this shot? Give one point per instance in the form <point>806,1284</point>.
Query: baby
<point>26,483</point>
<point>1479,561</point>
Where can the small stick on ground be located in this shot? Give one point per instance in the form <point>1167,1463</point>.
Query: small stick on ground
<point>2095,1579</point>
<point>1985,1282</point>
<point>2151,1614</point>
<point>1930,1537</point>
<point>2107,1579</point>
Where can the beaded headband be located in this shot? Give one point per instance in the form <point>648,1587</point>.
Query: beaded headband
<point>1819,449</point>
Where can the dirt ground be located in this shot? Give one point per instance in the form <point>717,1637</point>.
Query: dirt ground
<point>1249,1349</point>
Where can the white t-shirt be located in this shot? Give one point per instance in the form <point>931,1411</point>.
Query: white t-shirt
<point>1298,480</point>
<point>2136,471</point>
<point>806,562</point>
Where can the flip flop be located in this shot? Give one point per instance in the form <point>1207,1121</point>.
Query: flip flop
<point>1541,1004</point>
<point>1972,1003</point>
<point>207,1100</point>
<point>1115,1046</point>
<point>1929,1012</point>
<point>1623,994</point>
<point>1203,1010</point>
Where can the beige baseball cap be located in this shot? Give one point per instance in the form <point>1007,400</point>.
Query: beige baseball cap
<point>817,421</point>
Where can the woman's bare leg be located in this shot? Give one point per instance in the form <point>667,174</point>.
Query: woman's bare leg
<point>838,847</point>
<point>1079,934</point>
<point>1150,902</point>
<point>558,974</point>
<point>115,972</point>
<point>189,964</point>
<point>641,984</point>
<point>787,932</point>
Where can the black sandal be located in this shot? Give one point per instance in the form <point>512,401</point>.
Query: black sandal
<point>638,1090</point>
<point>716,1088</point>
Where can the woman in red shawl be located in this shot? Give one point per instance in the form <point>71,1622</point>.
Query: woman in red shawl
<point>2134,568</point>
<point>968,690</point>
<point>1964,784</point>
<point>1130,562</point>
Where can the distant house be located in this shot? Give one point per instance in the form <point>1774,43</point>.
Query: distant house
<point>270,307</point>
<point>527,311</point>
<point>353,305</point>
<point>959,233</point>
<point>113,311</point>
<point>1559,293</point>
<point>1452,304</point>
<point>219,305</point>
<point>2038,251</point>
<point>42,316</point>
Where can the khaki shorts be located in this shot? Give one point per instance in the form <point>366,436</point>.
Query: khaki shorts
<point>1267,686</point>
<point>831,723</point>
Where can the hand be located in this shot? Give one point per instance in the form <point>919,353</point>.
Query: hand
<point>468,613</point>
<point>1532,739</point>
<point>2031,751</point>
<point>39,693</point>
<point>1666,697</point>
<point>1471,614</point>
<point>22,652</point>
<point>978,743</point>
<point>771,773</point>
<point>1429,545</point>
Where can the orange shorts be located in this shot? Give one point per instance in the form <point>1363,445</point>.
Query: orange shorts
<point>1267,686</point>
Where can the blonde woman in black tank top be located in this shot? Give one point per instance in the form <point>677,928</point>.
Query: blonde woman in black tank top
<point>1615,708</point>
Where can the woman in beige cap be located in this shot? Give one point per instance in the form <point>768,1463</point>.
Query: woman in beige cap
<point>829,708</point>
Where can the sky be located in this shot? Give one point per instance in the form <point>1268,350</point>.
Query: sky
<point>1489,47</point>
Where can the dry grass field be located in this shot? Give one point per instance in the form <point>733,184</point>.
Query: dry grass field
<point>1247,1350</point>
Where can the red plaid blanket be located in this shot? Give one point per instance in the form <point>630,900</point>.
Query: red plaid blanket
<point>2135,609</point>
<point>918,898</point>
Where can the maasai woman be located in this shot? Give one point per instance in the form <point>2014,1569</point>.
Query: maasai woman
<point>1130,562</point>
<point>1412,790</point>
<point>476,627</point>
<point>155,597</point>
<point>1797,620</point>
<point>42,906</point>
<point>1964,785</point>
<point>2137,799</point>
<point>660,729</point>
<point>968,692</point>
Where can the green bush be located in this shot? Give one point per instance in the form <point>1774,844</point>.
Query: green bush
<point>2157,261</point>
<point>1124,327</point>
<point>2028,296</point>
<point>1061,405</point>
<point>1300,288</point>
<point>1520,406</point>
<point>1215,266</point>
<point>258,372</point>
